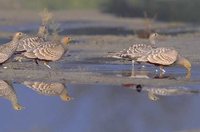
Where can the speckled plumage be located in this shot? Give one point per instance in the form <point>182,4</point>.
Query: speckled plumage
<point>8,49</point>
<point>136,50</point>
<point>161,56</point>
<point>48,88</point>
<point>31,42</point>
<point>50,51</point>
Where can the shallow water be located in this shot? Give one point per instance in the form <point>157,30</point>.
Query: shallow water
<point>100,108</point>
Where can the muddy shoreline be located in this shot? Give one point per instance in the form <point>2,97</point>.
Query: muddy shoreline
<point>93,38</point>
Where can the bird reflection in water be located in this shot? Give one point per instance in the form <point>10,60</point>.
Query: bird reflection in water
<point>155,91</point>
<point>7,91</point>
<point>49,89</point>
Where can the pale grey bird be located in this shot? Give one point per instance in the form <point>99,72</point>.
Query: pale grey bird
<point>7,91</point>
<point>136,50</point>
<point>8,49</point>
<point>155,91</point>
<point>49,51</point>
<point>49,88</point>
<point>166,57</point>
<point>31,42</point>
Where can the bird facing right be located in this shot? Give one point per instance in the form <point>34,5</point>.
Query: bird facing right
<point>49,88</point>
<point>49,50</point>
<point>8,49</point>
<point>136,51</point>
<point>164,56</point>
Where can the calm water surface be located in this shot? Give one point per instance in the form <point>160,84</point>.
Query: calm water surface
<point>100,108</point>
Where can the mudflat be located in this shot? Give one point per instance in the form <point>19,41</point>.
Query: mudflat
<point>95,34</point>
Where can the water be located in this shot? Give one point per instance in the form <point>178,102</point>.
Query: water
<point>100,108</point>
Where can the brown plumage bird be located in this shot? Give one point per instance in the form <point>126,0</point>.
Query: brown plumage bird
<point>165,57</point>
<point>49,51</point>
<point>31,42</point>
<point>7,91</point>
<point>8,49</point>
<point>50,89</point>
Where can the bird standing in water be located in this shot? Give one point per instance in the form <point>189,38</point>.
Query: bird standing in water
<point>163,57</point>
<point>136,50</point>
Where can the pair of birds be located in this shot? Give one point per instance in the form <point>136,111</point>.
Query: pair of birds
<point>35,47</point>
<point>150,53</point>
<point>45,88</point>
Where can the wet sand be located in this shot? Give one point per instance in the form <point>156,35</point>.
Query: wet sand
<point>94,35</point>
